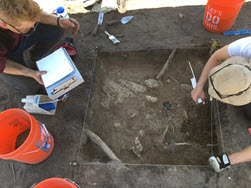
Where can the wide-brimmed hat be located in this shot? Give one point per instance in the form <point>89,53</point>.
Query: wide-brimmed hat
<point>230,82</point>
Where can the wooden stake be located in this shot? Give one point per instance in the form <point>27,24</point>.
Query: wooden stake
<point>166,64</point>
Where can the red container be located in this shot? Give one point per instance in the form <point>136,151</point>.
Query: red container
<point>57,183</point>
<point>37,146</point>
<point>220,15</point>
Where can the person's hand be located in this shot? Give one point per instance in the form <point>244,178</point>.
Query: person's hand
<point>37,76</point>
<point>69,23</point>
<point>196,93</point>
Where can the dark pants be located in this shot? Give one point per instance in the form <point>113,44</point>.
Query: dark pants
<point>43,39</point>
<point>247,110</point>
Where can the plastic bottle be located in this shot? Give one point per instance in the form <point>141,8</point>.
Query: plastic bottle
<point>60,11</point>
<point>220,15</point>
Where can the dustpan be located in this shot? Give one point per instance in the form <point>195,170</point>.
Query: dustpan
<point>71,50</point>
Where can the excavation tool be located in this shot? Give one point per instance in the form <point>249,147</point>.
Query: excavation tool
<point>100,21</point>
<point>76,28</point>
<point>124,20</point>
<point>68,45</point>
<point>240,32</point>
<point>61,98</point>
<point>112,38</point>
<point>193,81</point>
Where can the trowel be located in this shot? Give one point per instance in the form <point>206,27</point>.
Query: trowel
<point>100,21</point>
<point>124,20</point>
<point>193,81</point>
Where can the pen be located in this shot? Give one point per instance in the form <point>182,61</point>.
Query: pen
<point>75,27</point>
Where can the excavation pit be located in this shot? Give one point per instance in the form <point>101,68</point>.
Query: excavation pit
<point>145,121</point>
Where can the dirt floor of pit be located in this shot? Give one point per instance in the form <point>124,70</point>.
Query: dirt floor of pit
<point>158,28</point>
<point>126,108</point>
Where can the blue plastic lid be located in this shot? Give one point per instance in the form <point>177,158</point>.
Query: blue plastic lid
<point>60,10</point>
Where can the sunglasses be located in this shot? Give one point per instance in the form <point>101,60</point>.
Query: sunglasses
<point>28,33</point>
<point>226,96</point>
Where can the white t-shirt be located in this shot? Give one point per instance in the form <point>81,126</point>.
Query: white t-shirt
<point>241,47</point>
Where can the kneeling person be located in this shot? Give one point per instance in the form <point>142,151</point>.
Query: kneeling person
<point>230,83</point>
<point>24,25</point>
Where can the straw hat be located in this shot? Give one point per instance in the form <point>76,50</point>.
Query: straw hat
<point>230,82</point>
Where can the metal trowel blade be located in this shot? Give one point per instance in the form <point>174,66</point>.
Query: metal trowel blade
<point>126,19</point>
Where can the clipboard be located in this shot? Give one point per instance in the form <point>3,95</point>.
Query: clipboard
<point>62,74</point>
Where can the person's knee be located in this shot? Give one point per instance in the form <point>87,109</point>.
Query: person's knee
<point>24,84</point>
<point>58,32</point>
<point>54,33</point>
<point>49,32</point>
<point>46,36</point>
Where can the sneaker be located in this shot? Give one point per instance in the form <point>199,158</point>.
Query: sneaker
<point>219,163</point>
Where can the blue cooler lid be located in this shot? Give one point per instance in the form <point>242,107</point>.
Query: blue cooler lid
<point>60,10</point>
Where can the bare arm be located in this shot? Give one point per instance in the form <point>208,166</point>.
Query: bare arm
<point>64,23</point>
<point>219,56</point>
<point>16,69</point>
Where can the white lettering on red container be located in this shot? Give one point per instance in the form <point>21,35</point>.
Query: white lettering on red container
<point>212,18</point>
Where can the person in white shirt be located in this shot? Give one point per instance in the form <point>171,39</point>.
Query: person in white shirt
<point>228,72</point>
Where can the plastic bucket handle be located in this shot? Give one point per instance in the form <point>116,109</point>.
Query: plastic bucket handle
<point>25,100</point>
<point>72,182</point>
<point>47,135</point>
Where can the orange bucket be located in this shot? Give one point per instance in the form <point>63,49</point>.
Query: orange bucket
<point>57,183</point>
<point>32,147</point>
<point>220,15</point>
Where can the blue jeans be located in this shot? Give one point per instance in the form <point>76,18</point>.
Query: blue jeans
<point>43,38</point>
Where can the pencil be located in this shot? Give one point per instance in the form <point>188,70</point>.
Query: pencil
<point>75,27</point>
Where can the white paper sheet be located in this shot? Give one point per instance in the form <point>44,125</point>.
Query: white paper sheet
<point>57,66</point>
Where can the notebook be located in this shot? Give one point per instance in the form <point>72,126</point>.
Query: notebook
<point>58,65</point>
